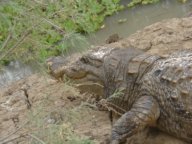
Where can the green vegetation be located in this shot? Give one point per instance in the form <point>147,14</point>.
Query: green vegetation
<point>144,2</point>
<point>136,2</point>
<point>38,29</point>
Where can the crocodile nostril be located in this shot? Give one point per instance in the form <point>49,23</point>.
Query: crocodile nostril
<point>84,60</point>
<point>73,69</point>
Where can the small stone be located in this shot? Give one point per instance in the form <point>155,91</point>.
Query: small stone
<point>59,103</point>
<point>51,121</point>
<point>71,98</point>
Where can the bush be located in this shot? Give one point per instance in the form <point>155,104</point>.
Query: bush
<point>35,30</point>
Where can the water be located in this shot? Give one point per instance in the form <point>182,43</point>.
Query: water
<point>14,71</point>
<point>137,18</point>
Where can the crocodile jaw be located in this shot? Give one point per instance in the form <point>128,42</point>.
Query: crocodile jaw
<point>89,66</point>
<point>80,68</point>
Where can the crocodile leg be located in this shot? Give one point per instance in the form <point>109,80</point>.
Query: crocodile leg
<point>145,112</point>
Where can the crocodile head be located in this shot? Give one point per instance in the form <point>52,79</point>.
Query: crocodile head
<point>94,69</point>
<point>86,70</point>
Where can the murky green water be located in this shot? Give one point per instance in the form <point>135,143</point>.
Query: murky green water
<point>137,18</point>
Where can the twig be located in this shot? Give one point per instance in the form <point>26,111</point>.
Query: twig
<point>89,83</point>
<point>6,41</point>
<point>36,138</point>
<point>3,139</point>
<point>111,107</point>
<point>89,105</point>
<point>19,136</point>
<point>11,139</point>
<point>54,25</point>
<point>40,2</point>
<point>16,45</point>
<point>25,123</point>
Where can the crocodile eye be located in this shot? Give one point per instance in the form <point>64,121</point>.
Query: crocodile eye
<point>157,72</point>
<point>84,60</point>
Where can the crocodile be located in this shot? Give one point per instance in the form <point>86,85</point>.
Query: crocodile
<point>145,90</point>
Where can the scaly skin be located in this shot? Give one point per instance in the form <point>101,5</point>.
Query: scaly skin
<point>145,90</point>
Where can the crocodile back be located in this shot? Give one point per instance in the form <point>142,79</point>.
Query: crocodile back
<point>175,73</point>
<point>170,83</point>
